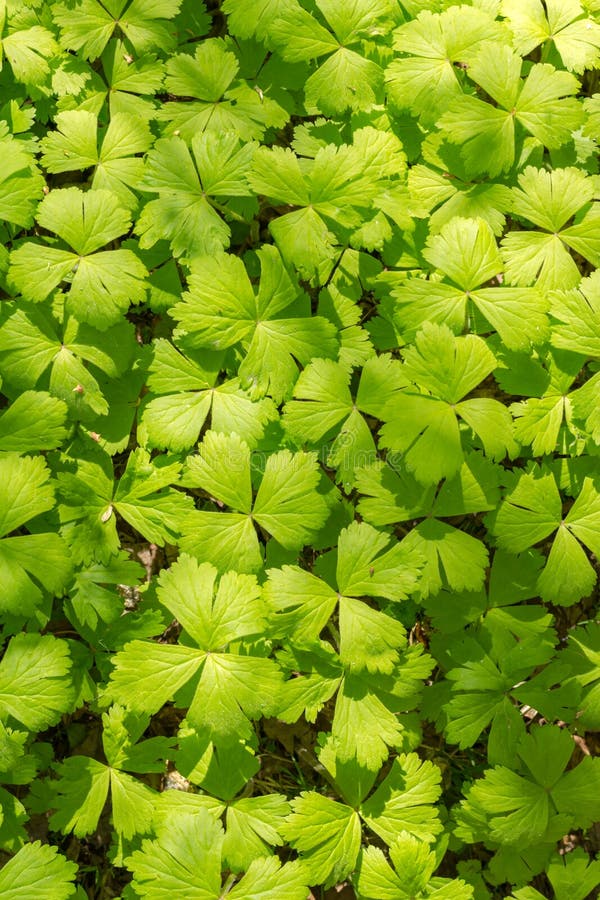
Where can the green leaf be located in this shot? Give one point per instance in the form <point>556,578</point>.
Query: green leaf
<point>132,805</point>
<point>405,801</point>
<point>227,540</point>
<point>90,24</point>
<point>287,504</point>
<point>538,422</point>
<point>39,869</point>
<point>532,512</point>
<point>25,490</point>
<point>268,879</point>
<point>290,483</point>
<point>432,190</point>
<point>446,366</point>
<point>582,655</point>
<point>561,24</point>
<point>273,325</point>
<point>574,875</point>
<point>74,147</point>
<point>81,793</point>
<point>363,567</point>
<point>335,190</point>
<point>236,611</point>
<point>368,639</point>
<point>231,688</point>
<point>451,555</point>
<point>423,426</point>
<point>414,864</point>
<point>102,284</point>
<point>187,856</point>
<point>304,603</point>
<point>568,575</point>
<point>247,18</point>
<point>28,51</point>
<point>35,687</point>
<point>578,315</point>
<point>21,184</point>
<point>12,747</point>
<point>522,808</point>
<point>217,100</point>
<point>539,103</point>
<point>37,351</point>
<point>423,77</point>
<point>310,39</point>
<point>186,212</point>
<point>465,251</point>
<point>326,834</point>
<point>142,496</point>
<point>346,79</point>
<point>549,200</point>
<point>162,670</point>
<point>205,75</point>
<point>254,824</point>
<point>35,421</point>
<point>363,728</point>
<point>366,720</point>
<point>482,687</point>
<point>546,94</point>
<point>28,560</point>
<point>433,425</point>
<point>376,878</point>
<point>477,260</point>
<point>229,484</point>
<point>512,579</point>
<point>322,402</point>
<point>121,732</point>
<point>390,494</point>
<point>174,420</point>
<point>131,82</point>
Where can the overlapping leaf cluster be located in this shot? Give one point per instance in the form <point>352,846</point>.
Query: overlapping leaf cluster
<point>300,303</point>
